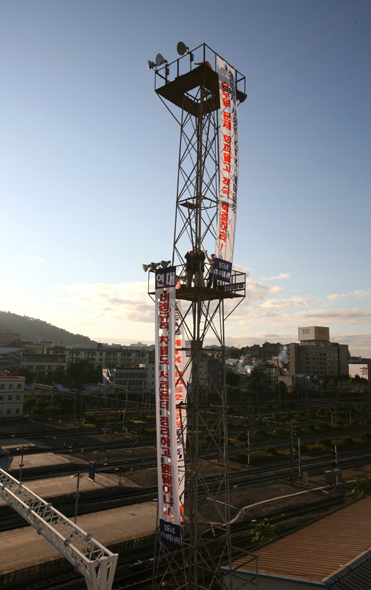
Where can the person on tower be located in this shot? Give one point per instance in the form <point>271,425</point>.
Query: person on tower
<point>211,279</point>
<point>199,260</point>
<point>190,262</point>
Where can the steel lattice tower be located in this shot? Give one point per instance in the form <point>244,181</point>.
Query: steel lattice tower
<point>206,539</point>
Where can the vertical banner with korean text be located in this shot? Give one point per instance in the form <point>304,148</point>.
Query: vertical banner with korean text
<point>181,383</point>
<point>166,419</point>
<point>228,173</point>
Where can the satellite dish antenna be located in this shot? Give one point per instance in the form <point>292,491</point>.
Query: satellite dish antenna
<point>150,64</point>
<point>181,48</point>
<point>160,60</point>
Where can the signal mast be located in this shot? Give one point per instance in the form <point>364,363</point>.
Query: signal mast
<point>202,92</point>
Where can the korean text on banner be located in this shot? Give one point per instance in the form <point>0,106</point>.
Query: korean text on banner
<point>166,424</point>
<point>228,173</point>
<point>182,370</point>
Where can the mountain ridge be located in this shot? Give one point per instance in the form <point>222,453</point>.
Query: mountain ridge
<point>30,329</point>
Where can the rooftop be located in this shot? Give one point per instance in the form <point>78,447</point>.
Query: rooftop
<point>330,551</point>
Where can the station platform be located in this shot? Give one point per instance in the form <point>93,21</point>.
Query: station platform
<point>14,443</point>
<point>22,549</point>
<point>66,485</point>
<point>12,462</point>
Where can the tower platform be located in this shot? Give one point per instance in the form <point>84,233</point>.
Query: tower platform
<point>208,294</point>
<point>202,75</point>
<point>236,289</point>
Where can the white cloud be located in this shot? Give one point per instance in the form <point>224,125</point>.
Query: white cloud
<point>259,291</point>
<point>273,307</point>
<point>279,277</point>
<point>322,317</point>
<point>240,268</point>
<point>247,339</point>
<point>358,294</point>
<point>126,311</point>
<point>127,302</point>
<point>359,344</point>
<point>275,290</point>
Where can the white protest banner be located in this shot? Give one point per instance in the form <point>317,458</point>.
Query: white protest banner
<point>166,423</point>
<point>181,381</point>
<point>228,173</point>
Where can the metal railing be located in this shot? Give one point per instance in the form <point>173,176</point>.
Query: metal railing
<point>236,285</point>
<point>200,55</point>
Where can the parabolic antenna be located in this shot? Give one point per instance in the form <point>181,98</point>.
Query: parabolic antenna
<point>160,60</point>
<point>181,48</point>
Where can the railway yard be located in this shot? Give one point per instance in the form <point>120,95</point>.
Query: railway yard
<point>119,507</point>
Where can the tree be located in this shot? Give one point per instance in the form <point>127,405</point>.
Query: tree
<point>282,387</point>
<point>233,379</point>
<point>258,378</point>
<point>79,373</point>
<point>262,532</point>
<point>23,372</point>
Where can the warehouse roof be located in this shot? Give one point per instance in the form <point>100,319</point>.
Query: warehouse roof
<point>334,551</point>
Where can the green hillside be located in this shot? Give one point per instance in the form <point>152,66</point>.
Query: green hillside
<point>31,328</point>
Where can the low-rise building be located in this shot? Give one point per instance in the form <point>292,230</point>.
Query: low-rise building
<point>7,337</point>
<point>43,363</point>
<point>363,370</point>
<point>137,378</point>
<point>11,395</point>
<point>134,378</point>
<point>108,357</point>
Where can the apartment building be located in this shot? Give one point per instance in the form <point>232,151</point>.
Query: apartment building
<point>108,357</point>
<point>135,378</point>
<point>316,355</point>
<point>11,395</point>
<point>43,363</point>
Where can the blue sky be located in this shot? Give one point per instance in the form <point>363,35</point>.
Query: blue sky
<point>88,162</point>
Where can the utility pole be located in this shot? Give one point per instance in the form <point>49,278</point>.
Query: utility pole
<point>21,465</point>
<point>74,405</point>
<point>292,454</point>
<point>306,414</point>
<point>248,448</point>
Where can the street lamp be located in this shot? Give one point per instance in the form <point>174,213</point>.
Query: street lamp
<point>21,465</point>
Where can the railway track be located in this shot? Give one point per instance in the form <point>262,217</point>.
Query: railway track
<point>135,568</point>
<point>91,501</point>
